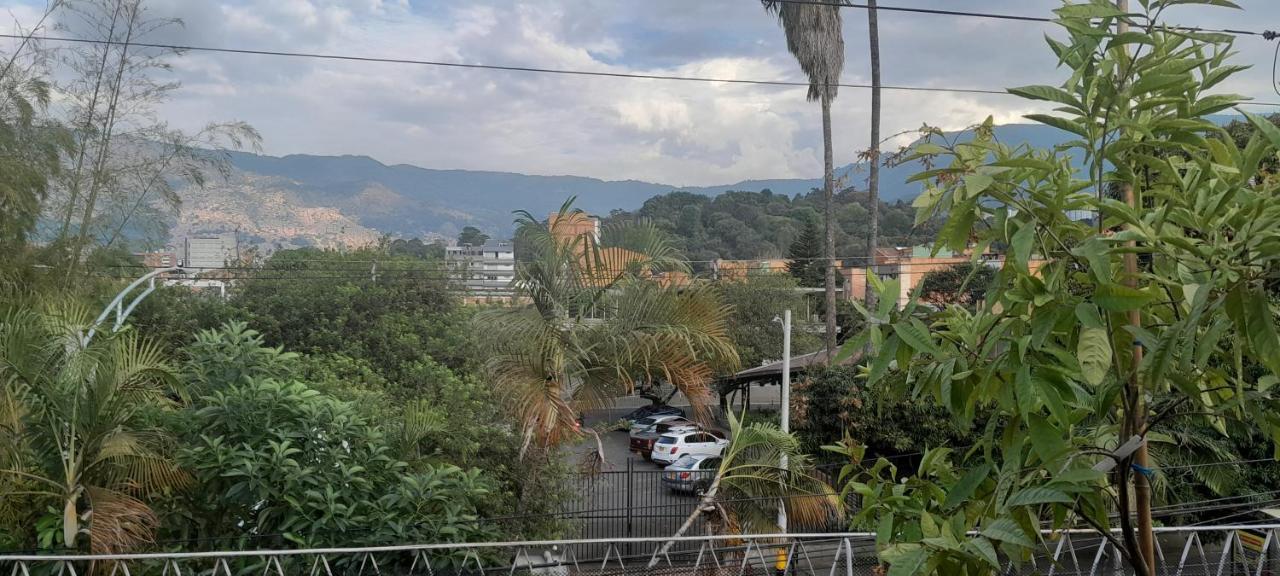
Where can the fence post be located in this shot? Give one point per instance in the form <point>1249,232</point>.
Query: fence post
<point>631,468</point>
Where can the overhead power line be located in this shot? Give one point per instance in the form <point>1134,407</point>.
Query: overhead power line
<point>501,67</point>
<point>528,69</point>
<point>1267,34</point>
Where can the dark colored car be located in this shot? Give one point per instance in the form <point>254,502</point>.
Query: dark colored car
<point>692,473</point>
<point>650,410</point>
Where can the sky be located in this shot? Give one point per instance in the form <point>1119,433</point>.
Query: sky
<point>616,129</point>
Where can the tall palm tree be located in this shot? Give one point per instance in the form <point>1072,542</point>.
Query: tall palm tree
<point>815,37</point>
<point>598,322</point>
<point>72,434</point>
<point>751,485</point>
<point>873,176</point>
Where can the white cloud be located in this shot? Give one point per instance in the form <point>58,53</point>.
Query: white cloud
<point>674,132</point>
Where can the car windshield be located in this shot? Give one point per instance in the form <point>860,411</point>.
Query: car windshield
<point>644,422</point>
<point>685,461</point>
<point>667,440</point>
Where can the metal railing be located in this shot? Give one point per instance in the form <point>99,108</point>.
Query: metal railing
<point>1191,551</point>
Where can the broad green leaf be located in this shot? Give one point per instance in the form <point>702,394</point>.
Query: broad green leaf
<point>1022,242</point>
<point>1038,495</point>
<point>884,356</point>
<point>916,335</point>
<point>982,548</point>
<point>1088,316</point>
<point>1095,253</point>
<point>1025,162</point>
<point>1006,530</point>
<point>1120,298</point>
<point>1045,438</point>
<point>928,148</point>
<point>1130,37</point>
<point>1261,329</point>
<point>1094,352</point>
<point>963,490</point>
<point>1060,123</point>
<point>1264,126</point>
<point>975,184</point>
<point>1049,93</point>
<point>884,529</point>
<point>906,559</point>
<point>1077,476</point>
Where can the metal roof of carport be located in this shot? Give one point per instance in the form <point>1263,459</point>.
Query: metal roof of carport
<point>798,364</point>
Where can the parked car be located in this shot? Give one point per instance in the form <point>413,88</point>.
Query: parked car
<point>670,447</point>
<point>647,411</point>
<point>691,473</point>
<point>642,441</point>
<point>648,423</point>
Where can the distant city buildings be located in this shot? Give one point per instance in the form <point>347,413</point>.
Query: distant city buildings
<point>722,269</point>
<point>159,259</point>
<point>486,273</point>
<point>210,251</point>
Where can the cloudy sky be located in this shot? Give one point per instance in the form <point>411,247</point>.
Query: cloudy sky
<point>670,132</point>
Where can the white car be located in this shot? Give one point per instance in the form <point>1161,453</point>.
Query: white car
<point>670,447</point>
<point>648,423</point>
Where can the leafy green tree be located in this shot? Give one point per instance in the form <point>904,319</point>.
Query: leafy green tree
<point>320,474</point>
<point>756,301</point>
<point>273,456</point>
<point>417,248</point>
<point>830,404</point>
<point>317,301</point>
<point>76,449</point>
<point>472,236</point>
<point>1049,351</point>
<point>804,258</point>
<point>30,149</point>
<point>748,225</point>
<point>597,325</point>
<point>964,284</point>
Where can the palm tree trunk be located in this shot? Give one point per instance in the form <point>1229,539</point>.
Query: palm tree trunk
<point>828,193</point>
<point>873,177</point>
<point>708,500</point>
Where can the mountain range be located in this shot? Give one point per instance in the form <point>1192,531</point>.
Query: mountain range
<point>350,200</point>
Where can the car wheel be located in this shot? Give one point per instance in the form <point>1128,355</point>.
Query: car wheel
<point>700,490</point>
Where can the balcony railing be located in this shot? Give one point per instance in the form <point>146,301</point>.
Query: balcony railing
<point>1190,551</point>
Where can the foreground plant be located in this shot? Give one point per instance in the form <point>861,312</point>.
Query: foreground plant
<point>763,473</point>
<point>76,451</point>
<point>1050,351</point>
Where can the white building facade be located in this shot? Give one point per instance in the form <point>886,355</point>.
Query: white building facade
<point>485,272</point>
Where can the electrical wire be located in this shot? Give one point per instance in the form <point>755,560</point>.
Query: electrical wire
<point>1266,34</point>
<point>500,67</point>
<point>511,68</point>
<point>1210,464</point>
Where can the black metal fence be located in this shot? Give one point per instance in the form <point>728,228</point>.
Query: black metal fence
<point>627,503</point>
<point>633,503</point>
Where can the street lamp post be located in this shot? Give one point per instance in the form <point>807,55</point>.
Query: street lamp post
<point>785,409</point>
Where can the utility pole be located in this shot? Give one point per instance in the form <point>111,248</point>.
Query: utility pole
<point>1138,419</point>
<point>785,412</point>
<point>785,409</point>
<point>873,175</point>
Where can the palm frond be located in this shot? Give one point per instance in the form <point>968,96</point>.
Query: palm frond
<point>118,522</point>
<point>815,37</point>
